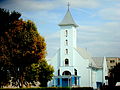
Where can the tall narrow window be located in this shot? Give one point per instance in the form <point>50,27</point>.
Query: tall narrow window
<point>75,71</point>
<point>58,72</point>
<point>66,42</point>
<point>66,62</point>
<point>58,75</point>
<point>66,33</point>
<point>66,51</point>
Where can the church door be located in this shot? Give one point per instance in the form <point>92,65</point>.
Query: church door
<point>65,82</point>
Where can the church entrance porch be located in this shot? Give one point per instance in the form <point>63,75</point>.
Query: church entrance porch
<point>66,81</point>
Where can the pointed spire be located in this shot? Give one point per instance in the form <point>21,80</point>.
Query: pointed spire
<point>68,5</point>
<point>68,20</point>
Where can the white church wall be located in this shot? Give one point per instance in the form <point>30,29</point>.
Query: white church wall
<point>105,71</point>
<point>55,62</point>
<point>99,74</point>
<point>93,74</point>
<point>90,76</point>
<point>81,65</point>
<point>70,69</point>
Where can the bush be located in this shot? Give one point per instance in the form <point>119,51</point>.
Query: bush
<point>51,88</point>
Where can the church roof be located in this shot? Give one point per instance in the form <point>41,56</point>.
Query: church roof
<point>98,61</point>
<point>68,20</point>
<point>86,55</point>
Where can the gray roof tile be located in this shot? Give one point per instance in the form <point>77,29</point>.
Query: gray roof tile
<point>68,20</point>
<point>98,61</point>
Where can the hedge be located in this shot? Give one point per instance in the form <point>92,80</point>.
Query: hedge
<point>51,88</point>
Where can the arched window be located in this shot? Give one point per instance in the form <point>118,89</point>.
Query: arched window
<point>66,51</point>
<point>66,42</point>
<point>66,73</point>
<point>75,71</point>
<point>66,33</point>
<point>66,62</point>
<point>58,72</point>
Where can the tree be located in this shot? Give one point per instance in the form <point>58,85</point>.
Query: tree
<point>115,74</point>
<point>28,47</point>
<point>40,72</point>
<point>45,74</point>
<point>21,47</point>
<point>6,20</point>
<point>4,75</point>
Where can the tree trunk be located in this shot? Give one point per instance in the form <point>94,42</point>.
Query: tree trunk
<point>21,81</point>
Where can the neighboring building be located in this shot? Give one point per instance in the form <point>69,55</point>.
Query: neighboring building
<point>75,66</point>
<point>112,61</point>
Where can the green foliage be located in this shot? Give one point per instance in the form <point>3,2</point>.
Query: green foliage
<point>42,72</point>
<point>115,75</point>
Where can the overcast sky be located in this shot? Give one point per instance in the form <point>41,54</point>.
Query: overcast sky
<point>98,20</point>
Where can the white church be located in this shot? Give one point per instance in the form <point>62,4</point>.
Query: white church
<point>75,67</point>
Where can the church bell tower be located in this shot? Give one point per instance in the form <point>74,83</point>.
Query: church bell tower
<point>67,40</point>
<point>66,74</point>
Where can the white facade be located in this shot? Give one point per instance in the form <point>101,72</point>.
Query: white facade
<point>74,66</point>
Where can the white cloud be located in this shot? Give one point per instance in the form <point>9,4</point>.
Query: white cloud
<point>118,5</point>
<point>89,28</point>
<point>54,35</point>
<point>101,39</point>
<point>110,13</point>
<point>53,43</point>
<point>106,31</point>
<point>33,5</point>
<point>47,16</point>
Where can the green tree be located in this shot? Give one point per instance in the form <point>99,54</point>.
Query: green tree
<point>40,72</point>
<point>45,74</point>
<point>115,74</point>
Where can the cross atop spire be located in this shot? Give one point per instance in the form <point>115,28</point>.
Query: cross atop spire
<point>68,5</point>
<point>68,20</point>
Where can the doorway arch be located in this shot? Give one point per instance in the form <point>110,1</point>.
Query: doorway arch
<point>66,73</point>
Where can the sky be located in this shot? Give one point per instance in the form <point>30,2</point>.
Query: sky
<point>98,20</point>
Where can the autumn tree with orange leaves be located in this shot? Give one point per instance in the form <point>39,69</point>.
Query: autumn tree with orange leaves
<point>21,47</point>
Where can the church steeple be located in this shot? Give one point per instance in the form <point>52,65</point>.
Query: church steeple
<point>68,5</point>
<point>68,19</point>
<point>68,38</point>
